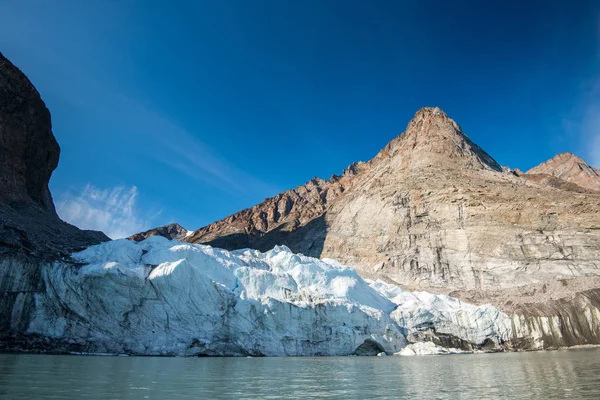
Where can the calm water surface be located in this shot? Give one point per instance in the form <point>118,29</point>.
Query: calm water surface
<point>543,375</point>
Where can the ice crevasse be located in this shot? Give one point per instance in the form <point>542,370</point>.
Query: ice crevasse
<point>161,297</point>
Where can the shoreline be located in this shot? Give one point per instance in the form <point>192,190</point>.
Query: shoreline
<point>449,353</point>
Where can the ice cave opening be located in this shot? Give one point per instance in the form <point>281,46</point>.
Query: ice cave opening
<point>369,348</point>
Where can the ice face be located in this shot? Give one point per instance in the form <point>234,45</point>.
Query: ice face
<point>173,298</point>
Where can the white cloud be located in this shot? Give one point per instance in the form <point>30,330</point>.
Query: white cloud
<point>112,210</point>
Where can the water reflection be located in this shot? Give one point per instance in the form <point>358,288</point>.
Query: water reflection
<point>558,374</point>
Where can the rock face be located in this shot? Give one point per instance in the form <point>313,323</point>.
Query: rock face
<point>570,168</point>
<point>171,232</point>
<point>28,151</point>
<point>432,211</point>
<point>28,155</point>
<point>294,215</point>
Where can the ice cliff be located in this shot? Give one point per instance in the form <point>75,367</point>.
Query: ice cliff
<point>172,298</point>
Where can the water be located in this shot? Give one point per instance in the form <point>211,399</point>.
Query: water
<point>541,375</point>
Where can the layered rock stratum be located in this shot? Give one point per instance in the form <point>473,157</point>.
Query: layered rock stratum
<point>433,211</point>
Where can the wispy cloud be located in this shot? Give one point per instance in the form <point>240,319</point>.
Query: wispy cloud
<point>156,136</point>
<point>194,158</point>
<point>113,211</point>
<point>590,111</point>
<point>181,150</point>
<point>591,125</point>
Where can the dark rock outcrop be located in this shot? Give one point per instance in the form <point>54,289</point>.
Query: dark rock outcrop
<point>29,154</point>
<point>28,150</point>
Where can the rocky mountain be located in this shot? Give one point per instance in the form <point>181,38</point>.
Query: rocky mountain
<point>297,212</point>
<point>433,211</point>
<point>570,168</point>
<point>171,232</point>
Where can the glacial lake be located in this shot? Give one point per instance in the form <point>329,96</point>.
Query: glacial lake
<point>537,375</point>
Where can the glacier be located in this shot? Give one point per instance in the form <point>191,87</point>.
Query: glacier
<point>163,297</point>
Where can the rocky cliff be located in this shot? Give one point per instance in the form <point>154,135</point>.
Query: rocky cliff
<point>433,211</point>
<point>28,155</point>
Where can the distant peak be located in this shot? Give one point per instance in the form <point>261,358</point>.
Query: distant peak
<point>571,168</point>
<point>170,231</point>
<point>566,158</point>
<point>175,225</point>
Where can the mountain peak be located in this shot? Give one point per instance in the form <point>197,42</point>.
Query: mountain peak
<point>571,168</point>
<point>426,114</point>
<point>432,138</point>
<point>429,111</point>
<point>568,157</point>
<point>172,231</point>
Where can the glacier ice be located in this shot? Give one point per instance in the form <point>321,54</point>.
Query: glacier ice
<point>164,297</point>
<point>426,349</point>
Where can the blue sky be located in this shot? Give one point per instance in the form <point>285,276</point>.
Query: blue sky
<point>190,111</point>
